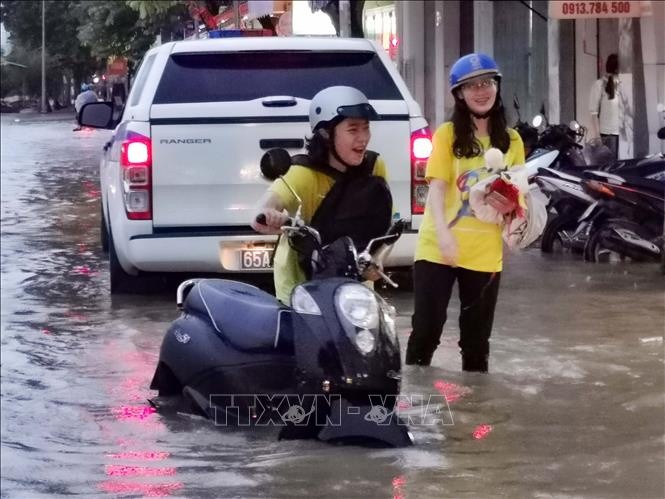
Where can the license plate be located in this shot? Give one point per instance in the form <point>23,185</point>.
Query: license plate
<point>255,259</point>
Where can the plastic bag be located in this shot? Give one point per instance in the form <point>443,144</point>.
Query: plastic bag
<point>519,232</point>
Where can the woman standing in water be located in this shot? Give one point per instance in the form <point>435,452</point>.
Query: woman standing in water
<point>453,245</point>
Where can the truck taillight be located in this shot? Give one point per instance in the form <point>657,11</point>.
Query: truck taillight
<point>421,148</point>
<point>136,165</point>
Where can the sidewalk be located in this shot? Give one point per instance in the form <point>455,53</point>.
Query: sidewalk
<point>32,115</point>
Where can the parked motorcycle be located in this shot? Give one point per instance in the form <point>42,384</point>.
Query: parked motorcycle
<point>326,367</point>
<point>567,202</point>
<point>563,138</point>
<point>527,132</point>
<point>626,221</point>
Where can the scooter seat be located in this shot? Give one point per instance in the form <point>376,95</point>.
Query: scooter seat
<point>244,315</point>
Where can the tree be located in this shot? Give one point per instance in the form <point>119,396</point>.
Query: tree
<point>65,55</point>
<point>22,81</point>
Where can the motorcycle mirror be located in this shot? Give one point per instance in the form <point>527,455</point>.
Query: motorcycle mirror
<point>516,101</point>
<point>537,120</point>
<point>275,163</point>
<point>661,133</point>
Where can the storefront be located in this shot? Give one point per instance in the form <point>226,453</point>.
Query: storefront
<point>546,61</point>
<point>380,25</point>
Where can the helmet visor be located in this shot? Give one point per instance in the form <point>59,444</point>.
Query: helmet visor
<point>364,110</point>
<point>477,75</point>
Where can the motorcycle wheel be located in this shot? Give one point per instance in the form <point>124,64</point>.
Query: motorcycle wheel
<point>552,240</point>
<point>602,247</point>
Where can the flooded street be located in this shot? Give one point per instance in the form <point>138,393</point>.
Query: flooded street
<point>573,406</point>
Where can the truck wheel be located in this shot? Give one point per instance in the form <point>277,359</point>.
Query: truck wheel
<point>121,281</point>
<point>103,233</point>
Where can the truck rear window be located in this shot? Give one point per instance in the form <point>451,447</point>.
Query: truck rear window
<point>242,76</point>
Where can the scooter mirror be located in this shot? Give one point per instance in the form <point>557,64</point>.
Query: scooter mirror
<point>537,121</point>
<point>516,102</point>
<point>661,133</point>
<point>376,243</point>
<point>275,163</point>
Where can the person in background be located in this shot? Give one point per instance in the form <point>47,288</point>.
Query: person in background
<point>86,96</point>
<point>454,245</point>
<point>604,106</point>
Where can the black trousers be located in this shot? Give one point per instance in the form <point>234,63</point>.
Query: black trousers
<point>433,285</point>
<point>612,142</point>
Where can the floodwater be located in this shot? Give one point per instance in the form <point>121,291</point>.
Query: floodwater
<point>573,405</point>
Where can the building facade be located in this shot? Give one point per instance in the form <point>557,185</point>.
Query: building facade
<point>546,63</point>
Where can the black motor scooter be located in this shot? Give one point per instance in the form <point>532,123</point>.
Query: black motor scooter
<point>626,220</point>
<point>326,367</point>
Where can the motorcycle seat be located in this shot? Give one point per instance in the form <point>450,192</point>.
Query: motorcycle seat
<point>244,315</point>
<point>646,184</point>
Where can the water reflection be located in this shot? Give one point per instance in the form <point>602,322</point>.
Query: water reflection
<point>575,373</point>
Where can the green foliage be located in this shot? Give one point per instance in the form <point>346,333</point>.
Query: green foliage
<point>14,78</point>
<point>65,55</point>
<point>151,9</point>
<point>81,35</point>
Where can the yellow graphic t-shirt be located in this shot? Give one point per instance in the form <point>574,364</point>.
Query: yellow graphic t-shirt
<point>311,186</point>
<point>480,246</point>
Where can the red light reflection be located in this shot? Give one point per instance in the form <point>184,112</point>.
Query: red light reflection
<point>403,404</point>
<point>83,270</point>
<point>481,431</point>
<point>140,456</point>
<point>132,471</point>
<point>398,483</point>
<point>91,189</point>
<point>145,489</point>
<point>134,412</point>
<point>121,470</point>
<point>451,391</point>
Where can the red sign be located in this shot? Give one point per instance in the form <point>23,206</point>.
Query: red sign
<point>117,67</point>
<point>578,9</point>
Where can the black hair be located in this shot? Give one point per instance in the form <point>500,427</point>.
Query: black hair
<point>466,145</point>
<point>318,148</point>
<point>318,145</point>
<point>611,68</point>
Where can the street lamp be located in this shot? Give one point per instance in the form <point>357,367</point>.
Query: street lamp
<point>43,110</point>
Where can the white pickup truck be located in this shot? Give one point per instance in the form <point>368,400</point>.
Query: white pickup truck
<point>180,176</point>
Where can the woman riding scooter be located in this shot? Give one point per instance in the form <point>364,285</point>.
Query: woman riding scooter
<point>328,365</point>
<point>336,154</point>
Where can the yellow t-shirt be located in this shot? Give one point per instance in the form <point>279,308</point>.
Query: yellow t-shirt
<point>311,186</point>
<point>480,246</point>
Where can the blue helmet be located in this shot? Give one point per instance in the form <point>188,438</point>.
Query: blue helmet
<point>471,66</point>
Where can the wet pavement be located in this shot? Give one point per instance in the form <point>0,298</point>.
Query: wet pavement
<point>573,406</point>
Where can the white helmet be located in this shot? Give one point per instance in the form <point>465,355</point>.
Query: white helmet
<point>339,102</point>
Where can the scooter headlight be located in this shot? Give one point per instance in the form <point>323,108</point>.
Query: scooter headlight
<point>358,305</point>
<point>303,303</point>
<point>365,341</point>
